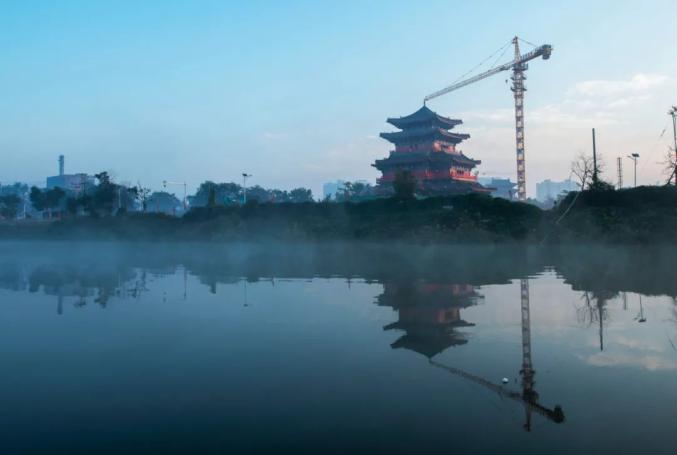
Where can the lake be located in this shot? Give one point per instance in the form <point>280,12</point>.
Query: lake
<point>139,348</point>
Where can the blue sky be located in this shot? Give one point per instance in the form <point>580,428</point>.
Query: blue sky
<point>297,92</point>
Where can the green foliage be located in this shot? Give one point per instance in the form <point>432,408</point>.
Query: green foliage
<point>211,202</point>
<point>404,185</point>
<point>163,202</point>
<point>298,195</point>
<point>643,214</point>
<point>211,194</point>
<point>37,198</point>
<point>355,192</point>
<point>9,205</point>
<point>53,197</point>
<point>46,200</point>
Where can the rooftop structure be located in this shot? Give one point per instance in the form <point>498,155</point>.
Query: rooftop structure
<point>74,183</point>
<point>426,147</point>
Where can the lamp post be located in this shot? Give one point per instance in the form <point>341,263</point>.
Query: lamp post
<point>673,113</point>
<point>634,158</point>
<point>245,176</point>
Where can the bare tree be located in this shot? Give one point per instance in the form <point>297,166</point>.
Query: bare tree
<point>670,165</point>
<point>583,168</point>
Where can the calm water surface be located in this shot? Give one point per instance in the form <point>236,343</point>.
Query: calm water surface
<point>239,349</point>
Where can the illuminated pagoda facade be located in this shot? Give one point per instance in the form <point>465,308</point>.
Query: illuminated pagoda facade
<point>427,148</point>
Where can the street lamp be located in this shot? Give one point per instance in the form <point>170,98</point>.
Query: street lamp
<point>634,158</point>
<point>245,176</point>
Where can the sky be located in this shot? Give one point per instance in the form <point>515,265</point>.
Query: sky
<point>295,93</point>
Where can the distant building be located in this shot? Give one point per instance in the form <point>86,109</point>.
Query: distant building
<point>330,189</point>
<point>503,188</point>
<point>551,190</point>
<point>74,183</point>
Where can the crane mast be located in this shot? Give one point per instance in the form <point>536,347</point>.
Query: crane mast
<point>518,66</point>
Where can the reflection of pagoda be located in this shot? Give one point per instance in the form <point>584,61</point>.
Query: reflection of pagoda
<point>429,313</point>
<point>426,148</point>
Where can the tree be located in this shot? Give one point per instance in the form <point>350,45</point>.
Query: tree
<point>225,193</point>
<point>670,166</point>
<point>301,195</point>
<point>37,198</point>
<point>9,205</point>
<point>583,168</point>
<point>53,198</point>
<point>104,195</point>
<point>142,194</point>
<point>163,202</point>
<point>404,185</point>
<point>211,201</point>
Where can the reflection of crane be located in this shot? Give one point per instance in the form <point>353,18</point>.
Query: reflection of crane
<point>556,415</point>
<point>529,396</point>
<point>518,67</point>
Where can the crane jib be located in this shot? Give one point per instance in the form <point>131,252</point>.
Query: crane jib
<point>545,51</point>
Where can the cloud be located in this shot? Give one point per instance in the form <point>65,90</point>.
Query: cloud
<point>639,83</point>
<point>648,362</point>
<point>585,104</point>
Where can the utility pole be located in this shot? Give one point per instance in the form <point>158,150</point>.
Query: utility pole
<point>673,113</point>
<point>245,176</point>
<point>594,159</point>
<point>634,158</point>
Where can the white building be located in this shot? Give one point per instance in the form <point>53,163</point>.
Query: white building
<point>550,190</point>
<point>74,183</point>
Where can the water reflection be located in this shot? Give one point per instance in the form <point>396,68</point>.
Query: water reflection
<point>429,314</point>
<point>475,314</point>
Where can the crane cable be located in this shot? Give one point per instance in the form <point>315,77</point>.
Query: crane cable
<point>503,48</point>
<point>527,42</point>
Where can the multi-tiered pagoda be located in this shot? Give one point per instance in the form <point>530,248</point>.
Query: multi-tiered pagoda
<point>427,148</point>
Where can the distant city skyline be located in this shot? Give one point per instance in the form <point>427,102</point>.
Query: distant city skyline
<point>296,94</point>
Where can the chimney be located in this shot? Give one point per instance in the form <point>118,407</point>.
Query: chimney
<point>61,165</point>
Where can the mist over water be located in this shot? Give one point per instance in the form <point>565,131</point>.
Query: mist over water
<point>137,348</point>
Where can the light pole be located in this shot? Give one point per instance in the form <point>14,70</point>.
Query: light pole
<point>634,158</point>
<point>673,113</point>
<point>245,176</point>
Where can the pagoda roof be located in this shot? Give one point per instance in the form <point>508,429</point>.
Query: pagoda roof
<point>423,116</point>
<point>429,342</point>
<point>398,158</point>
<point>403,325</point>
<point>425,132</point>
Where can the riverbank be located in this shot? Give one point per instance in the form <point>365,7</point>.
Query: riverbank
<point>642,215</point>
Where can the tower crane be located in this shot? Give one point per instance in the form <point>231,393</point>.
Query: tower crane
<point>529,396</point>
<point>518,66</point>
